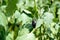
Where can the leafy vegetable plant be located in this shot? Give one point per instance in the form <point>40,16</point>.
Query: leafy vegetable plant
<point>29,20</point>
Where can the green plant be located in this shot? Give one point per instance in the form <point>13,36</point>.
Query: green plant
<point>29,20</point>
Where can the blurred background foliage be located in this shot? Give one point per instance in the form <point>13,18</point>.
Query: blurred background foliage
<point>29,19</point>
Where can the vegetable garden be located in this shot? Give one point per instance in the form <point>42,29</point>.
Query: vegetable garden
<point>29,19</point>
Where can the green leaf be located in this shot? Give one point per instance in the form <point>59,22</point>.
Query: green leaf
<point>17,14</point>
<point>3,19</point>
<point>48,18</point>
<point>53,31</point>
<point>23,31</point>
<point>10,36</point>
<point>57,27</point>
<point>58,14</point>
<point>39,22</point>
<point>29,36</point>
<point>25,18</point>
<point>3,8</point>
<point>2,33</point>
<point>23,4</point>
<point>11,7</point>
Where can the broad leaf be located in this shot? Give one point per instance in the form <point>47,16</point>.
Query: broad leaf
<point>48,18</point>
<point>25,18</point>
<point>10,36</point>
<point>29,36</point>
<point>3,19</point>
<point>11,7</point>
<point>23,31</point>
<point>39,22</point>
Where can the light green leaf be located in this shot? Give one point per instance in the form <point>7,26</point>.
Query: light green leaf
<point>59,14</point>
<point>3,8</point>
<point>23,4</point>
<point>17,15</point>
<point>39,22</point>
<point>10,36</point>
<point>29,36</point>
<point>25,18</point>
<point>53,30</point>
<point>3,19</point>
<point>48,18</point>
<point>57,27</point>
<point>23,31</point>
